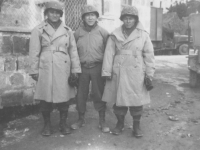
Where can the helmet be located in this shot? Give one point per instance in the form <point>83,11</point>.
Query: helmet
<point>73,81</point>
<point>129,10</point>
<point>54,5</point>
<point>89,9</point>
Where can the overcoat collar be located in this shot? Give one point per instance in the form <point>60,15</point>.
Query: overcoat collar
<point>118,33</point>
<point>54,34</point>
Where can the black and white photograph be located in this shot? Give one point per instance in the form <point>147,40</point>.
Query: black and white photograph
<point>99,74</point>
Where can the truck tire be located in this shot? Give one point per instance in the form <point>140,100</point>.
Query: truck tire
<point>193,79</point>
<point>183,49</point>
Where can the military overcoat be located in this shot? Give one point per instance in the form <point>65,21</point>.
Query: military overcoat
<point>53,55</point>
<point>127,60</point>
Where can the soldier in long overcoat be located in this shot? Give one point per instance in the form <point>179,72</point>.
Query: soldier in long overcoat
<point>53,57</point>
<point>129,57</point>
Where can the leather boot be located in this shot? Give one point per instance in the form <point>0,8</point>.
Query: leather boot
<point>46,131</point>
<point>136,126</point>
<point>80,123</point>
<point>64,129</point>
<point>102,124</point>
<point>119,126</point>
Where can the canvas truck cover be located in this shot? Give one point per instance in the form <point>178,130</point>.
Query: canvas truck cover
<point>156,24</point>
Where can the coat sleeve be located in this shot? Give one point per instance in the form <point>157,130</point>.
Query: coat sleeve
<point>108,57</point>
<point>148,55</point>
<point>75,61</point>
<point>76,35</point>
<point>105,35</point>
<point>34,51</point>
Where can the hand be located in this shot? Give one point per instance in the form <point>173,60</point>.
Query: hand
<point>149,77</point>
<point>74,75</point>
<point>108,77</point>
<point>148,83</point>
<point>35,76</point>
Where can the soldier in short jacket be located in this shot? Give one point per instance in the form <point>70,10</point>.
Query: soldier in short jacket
<point>91,41</point>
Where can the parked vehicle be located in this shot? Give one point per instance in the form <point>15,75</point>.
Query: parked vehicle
<point>194,69</point>
<point>181,44</point>
<point>164,39</point>
<point>194,59</point>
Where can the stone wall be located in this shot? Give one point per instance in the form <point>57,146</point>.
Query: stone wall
<point>17,14</point>
<point>17,19</point>
<point>16,86</point>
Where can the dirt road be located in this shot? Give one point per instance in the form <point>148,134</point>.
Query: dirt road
<point>170,122</point>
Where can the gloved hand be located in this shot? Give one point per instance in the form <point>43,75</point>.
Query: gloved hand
<point>73,80</point>
<point>74,75</point>
<point>108,77</point>
<point>148,83</point>
<point>34,76</point>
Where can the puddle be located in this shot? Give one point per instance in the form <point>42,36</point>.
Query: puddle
<point>173,80</point>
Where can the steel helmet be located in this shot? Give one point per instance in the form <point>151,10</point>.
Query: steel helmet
<point>129,10</point>
<point>89,9</point>
<point>54,5</point>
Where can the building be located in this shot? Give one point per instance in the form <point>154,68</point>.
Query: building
<point>112,9</point>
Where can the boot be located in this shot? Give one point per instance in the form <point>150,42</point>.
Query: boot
<point>136,127</point>
<point>64,129</point>
<point>46,131</point>
<point>102,124</point>
<point>80,123</point>
<point>119,126</point>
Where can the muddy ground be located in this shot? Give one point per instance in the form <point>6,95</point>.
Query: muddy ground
<point>170,122</point>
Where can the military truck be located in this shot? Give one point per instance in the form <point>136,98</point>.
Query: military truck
<point>162,33</point>
<point>194,58</point>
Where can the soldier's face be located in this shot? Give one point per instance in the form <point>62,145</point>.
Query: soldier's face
<point>129,21</point>
<point>90,19</point>
<point>53,15</point>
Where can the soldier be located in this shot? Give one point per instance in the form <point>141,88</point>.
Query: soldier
<point>53,57</point>
<point>91,40</point>
<point>129,57</point>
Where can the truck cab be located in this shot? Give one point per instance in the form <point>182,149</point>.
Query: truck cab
<point>181,44</point>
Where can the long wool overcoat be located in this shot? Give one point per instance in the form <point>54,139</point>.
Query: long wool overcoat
<point>53,55</point>
<point>127,60</point>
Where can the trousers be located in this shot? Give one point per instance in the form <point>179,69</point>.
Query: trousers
<point>92,75</point>
<point>48,106</point>
<point>122,110</point>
